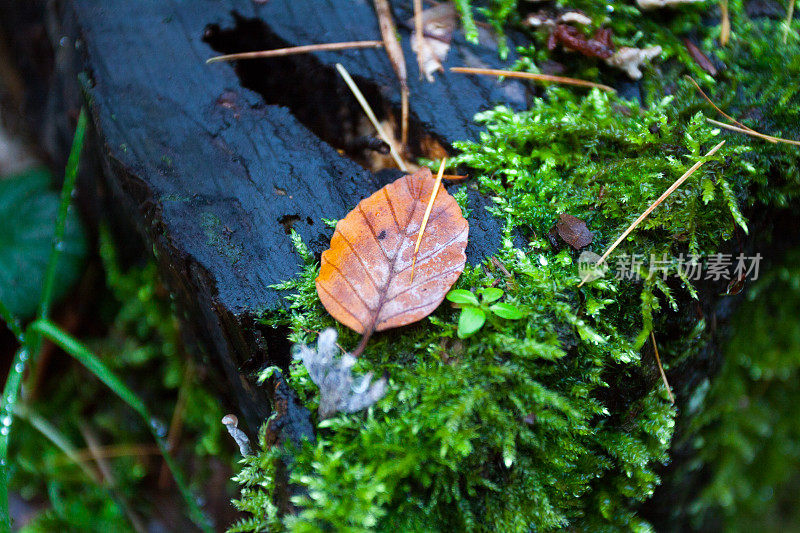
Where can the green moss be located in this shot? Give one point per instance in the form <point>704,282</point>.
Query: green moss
<point>746,429</point>
<point>219,236</point>
<point>551,421</point>
<point>142,342</point>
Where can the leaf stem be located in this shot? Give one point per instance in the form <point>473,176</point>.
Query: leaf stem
<point>361,344</point>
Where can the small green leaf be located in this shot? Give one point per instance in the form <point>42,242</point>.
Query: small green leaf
<point>504,310</point>
<point>470,321</point>
<point>460,296</point>
<point>491,294</point>
<point>29,209</point>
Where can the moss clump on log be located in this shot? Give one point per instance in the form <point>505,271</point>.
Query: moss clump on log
<point>555,420</point>
<point>743,423</point>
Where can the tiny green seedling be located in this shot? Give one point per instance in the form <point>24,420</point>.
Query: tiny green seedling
<point>474,312</point>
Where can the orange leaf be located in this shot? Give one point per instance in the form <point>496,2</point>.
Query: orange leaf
<point>365,277</point>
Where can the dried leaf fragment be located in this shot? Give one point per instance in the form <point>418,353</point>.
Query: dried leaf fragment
<point>699,57</point>
<point>573,231</point>
<point>438,25</point>
<point>339,390</point>
<point>631,59</point>
<point>571,38</point>
<point>365,277</point>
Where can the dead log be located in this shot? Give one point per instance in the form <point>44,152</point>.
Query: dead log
<point>214,164</point>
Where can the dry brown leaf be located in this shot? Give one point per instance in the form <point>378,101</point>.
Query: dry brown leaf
<point>699,57</point>
<point>365,278</point>
<point>438,24</point>
<point>573,231</point>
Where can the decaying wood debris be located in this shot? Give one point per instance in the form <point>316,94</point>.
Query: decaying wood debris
<point>631,59</point>
<point>339,390</point>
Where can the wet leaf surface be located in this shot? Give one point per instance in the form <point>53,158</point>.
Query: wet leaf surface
<point>573,231</point>
<point>699,57</point>
<point>365,276</point>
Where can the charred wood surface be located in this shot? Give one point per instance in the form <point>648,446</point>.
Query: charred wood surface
<point>215,164</point>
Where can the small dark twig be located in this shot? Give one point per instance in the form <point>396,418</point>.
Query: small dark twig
<point>294,50</point>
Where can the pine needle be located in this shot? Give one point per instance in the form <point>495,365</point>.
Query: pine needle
<point>404,96</point>
<point>108,478</point>
<point>396,58</point>
<point>769,138</point>
<point>112,451</point>
<point>371,115</point>
<point>650,209</point>
<point>427,214</point>
<point>720,111</point>
<point>531,76</point>
<point>661,369</point>
<point>741,128</point>
<point>294,50</point>
<point>789,17</point>
<point>725,24</point>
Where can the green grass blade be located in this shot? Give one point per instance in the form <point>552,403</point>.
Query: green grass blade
<point>77,350</point>
<point>52,434</point>
<point>32,343</point>
<point>70,177</point>
<point>9,400</point>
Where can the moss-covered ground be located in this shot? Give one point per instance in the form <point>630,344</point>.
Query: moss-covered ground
<point>560,420</point>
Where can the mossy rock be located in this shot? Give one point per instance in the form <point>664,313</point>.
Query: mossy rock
<point>559,420</point>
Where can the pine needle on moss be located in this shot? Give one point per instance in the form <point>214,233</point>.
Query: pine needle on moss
<point>720,111</point>
<point>427,214</point>
<point>725,23</point>
<point>752,133</point>
<point>531,76</point>
<point>655,204</point>
<point>789,18</point>
<point>661,368</point>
